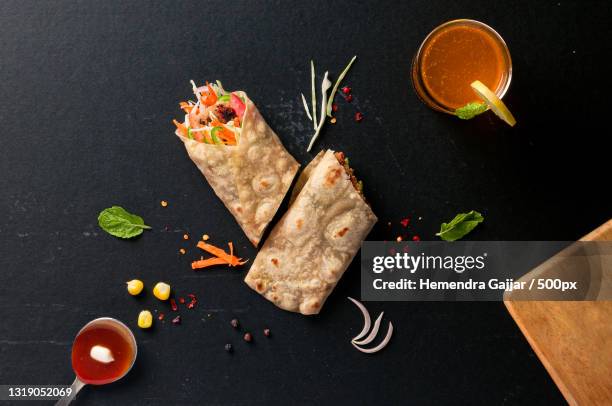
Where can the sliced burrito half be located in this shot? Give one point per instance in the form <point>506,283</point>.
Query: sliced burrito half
<point>314,243</point>
<point>238,154</point>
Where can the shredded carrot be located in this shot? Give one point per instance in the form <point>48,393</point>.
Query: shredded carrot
<point>226,135</point>
<point>181,127</point>
<point>186,107</point>
<point>218,252</point>
<point>204,263</point>
<point>211,97</point>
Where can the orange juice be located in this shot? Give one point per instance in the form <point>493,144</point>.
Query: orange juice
<point>453,56</point>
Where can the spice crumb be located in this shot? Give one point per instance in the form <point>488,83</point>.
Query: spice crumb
<point>248,337</point>
<point>182,251</point>
<point>173,305</point>
<point>349,98</point>
<point>176,320</point>
<point>185,236</point>
<point>229,348</point>
<point>346,90</point>
<point>416,238</point>
<point>267,332</point>
<point>234,323</point>
<point>164,203</point>
<point>399,238</point>
<point>161,316</point>
<point>333,120</point>
<point>405,222</point>
<point>205,237</point>
<point>334,107</point>
<point>181,300</point>
<point>358,116</point>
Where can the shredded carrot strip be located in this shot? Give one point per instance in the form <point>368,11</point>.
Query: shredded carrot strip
<point>186,107</point>
<point>181,127</point>
<point>211,97</point>
<point>225,134</point>
<point>204,263</point>
<point>218,252</point>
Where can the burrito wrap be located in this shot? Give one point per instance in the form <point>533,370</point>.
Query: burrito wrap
<point>252,177</point>
<point>313,244</point>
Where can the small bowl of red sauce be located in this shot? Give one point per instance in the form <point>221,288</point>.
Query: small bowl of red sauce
<point>103,351</point>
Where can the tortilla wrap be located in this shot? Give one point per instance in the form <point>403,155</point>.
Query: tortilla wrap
<point>314,243</point>
<point>252,177</point>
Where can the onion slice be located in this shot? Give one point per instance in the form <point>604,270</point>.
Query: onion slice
<point>366,319</point>
<point>373,333</point>
<point>380,346</point>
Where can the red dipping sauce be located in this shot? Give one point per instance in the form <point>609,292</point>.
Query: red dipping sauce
<point>90,371</point>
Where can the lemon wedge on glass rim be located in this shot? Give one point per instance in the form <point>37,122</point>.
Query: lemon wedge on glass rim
<point>494,102</point>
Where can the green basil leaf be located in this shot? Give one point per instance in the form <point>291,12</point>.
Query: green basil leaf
<point>471,110</point>
<point>461,225</point>
<point>118,222</point>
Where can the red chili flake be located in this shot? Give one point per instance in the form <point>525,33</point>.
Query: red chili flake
<point>267,332</point>
<point>248,337</point>
<point>349,98</point>
<point>193,302</point>
<point>173,305</point>
<point>416,238</point>
<point>334,107</point>
<point>405,222</point>
<point>234,323</point>
<point>176,320</point>
<point>346,90</point>
<point>161,316</point>
<point>358,116</point>
<point>181,300</point>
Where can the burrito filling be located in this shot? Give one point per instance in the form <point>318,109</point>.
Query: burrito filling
<point>344,161</point>
<point>215,117</point>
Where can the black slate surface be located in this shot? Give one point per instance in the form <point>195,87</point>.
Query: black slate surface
<point>88,90</point>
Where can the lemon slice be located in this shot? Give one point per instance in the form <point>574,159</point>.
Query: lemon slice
<point>494,102</point>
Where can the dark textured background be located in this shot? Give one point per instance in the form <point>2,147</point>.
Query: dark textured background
<point>87,92</point>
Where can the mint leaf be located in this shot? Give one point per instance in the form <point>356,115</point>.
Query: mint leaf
<point>118,222</point>
<point>470,110</point>
<point>461,225</point>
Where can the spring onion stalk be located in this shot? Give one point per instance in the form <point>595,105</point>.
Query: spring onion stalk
<point>314,95</point>
<point>324,88</point>
<point>335,89</point>
<point>306,107</point>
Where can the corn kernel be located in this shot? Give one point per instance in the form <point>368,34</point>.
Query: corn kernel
<point>161,291</point>
<point>145,319</point>
<point>134,287</point>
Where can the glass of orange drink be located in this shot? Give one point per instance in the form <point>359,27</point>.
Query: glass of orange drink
<point>454,55</point>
